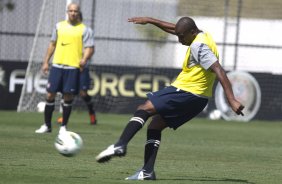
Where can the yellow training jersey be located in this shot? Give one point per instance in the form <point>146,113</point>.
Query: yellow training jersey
<point>69,44</point>
<point>196,77</point>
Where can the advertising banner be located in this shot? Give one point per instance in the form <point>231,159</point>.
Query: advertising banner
<point>120,89</point>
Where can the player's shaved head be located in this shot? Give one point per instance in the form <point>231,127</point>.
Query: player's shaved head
<point>73,13</point>
<point>186,23</point>
<point>186,30</point>
<point>74,6</point>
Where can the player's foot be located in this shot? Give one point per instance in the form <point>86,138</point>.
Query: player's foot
<point>43,129</point>
<point>142,175</point>
<point>93,120</point>
<point>63,130</point>
<point>111,151</point>
<point>60,120</point>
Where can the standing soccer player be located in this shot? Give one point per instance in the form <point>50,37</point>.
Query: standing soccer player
<point>184,99</point>
<point>73,45</point>
<point>84,86</point>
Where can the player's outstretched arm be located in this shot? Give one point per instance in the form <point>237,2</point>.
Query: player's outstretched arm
<point>236,106</point>
<point>166,26</point>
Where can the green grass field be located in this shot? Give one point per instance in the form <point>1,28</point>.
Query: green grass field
<point>201,151</point>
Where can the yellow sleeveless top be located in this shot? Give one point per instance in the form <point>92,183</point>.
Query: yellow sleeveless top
<point>69,44</point>
<point>196,79</point>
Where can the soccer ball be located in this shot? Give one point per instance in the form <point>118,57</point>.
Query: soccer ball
<point>68,143</point>
<point>215,115</point>
<point>41,106</point>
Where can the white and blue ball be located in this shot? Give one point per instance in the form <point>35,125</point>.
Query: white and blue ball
<point>68,143</point>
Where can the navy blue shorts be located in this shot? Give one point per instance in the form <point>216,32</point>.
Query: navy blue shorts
<point>176,106</point>
<point>84,83</point>
<point>63,80</point>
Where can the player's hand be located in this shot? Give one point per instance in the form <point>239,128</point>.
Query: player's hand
<point>240,109</point>
<point>139,20</point>
<point>45,68</point>
<point>237,107</point>
<point>82,63</point>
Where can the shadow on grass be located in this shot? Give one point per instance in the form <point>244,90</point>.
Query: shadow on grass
<point>208,179</point>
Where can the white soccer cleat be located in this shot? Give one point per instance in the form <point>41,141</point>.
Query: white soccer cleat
<point>63,130</point>
<point>43,129</point>
<point>107,154</point>
<point>142,175</point>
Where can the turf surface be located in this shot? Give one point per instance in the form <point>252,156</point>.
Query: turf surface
<point>201,151</point>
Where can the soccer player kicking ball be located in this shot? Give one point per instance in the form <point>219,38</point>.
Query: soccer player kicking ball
<point>178,103</point>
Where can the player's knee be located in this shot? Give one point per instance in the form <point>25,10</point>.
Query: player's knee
<point>83,93</point>
<point>68,97</point>
<point>157,123</point>
<point>67,102</point>
<point>86,98</point>
<point>148,107</point>
<point>50,97</point>
<point>50,101</point>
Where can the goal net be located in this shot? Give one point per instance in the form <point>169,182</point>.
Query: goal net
<point>33,90</point>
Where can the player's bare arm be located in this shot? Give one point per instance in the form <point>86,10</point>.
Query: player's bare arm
<point>49,53</point>
<point>236,106</point>
<point>87,54</point>
<point>166,26</point>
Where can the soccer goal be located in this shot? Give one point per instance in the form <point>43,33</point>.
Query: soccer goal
<point>51,12</point>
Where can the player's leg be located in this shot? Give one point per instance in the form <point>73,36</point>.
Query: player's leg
<point>175,107</point>
<point>138,120</point>
<point>70,89</point>
<point>154,132</point>
<point>84,85</point>
<point>67,108</point>
<point>88,101</point>
<point>48,112</point>
<point>54,85</point>
<point>49,108</point>
<point>151,149</point>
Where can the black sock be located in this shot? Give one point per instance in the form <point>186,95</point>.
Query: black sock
<point>67,107</point>
<point>135,124</point>
<point>89,103</point>
<point>151,149</point>
<point>49,108</point>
